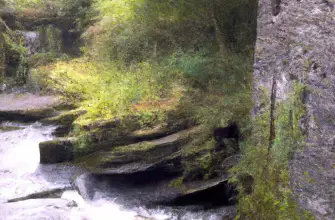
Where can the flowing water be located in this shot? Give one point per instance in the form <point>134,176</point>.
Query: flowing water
<point>21,174</point>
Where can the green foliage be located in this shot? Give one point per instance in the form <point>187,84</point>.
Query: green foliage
<point>137,30</point>
<point>105,90</point>
<point>41,59</point>
<point>221,89</point>
<point>178,183</point>
<point>15,59</point>
<point>271,197</point>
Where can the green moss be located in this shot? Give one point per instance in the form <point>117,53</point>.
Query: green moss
<point>178,183</point>
<point>205,161</point>
<point>139,147</point>
<point>95,160</point>
<point>66,118</point>
<point>271,197</point>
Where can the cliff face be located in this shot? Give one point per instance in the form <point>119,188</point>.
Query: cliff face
<point>2,51</point>
<point>296,44</point>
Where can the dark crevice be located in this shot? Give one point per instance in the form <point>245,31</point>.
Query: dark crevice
<point>221,195</point>
<point>275,4</point>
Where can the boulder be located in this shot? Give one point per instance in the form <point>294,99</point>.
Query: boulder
<point>84,186</point>
<point>56,151</point>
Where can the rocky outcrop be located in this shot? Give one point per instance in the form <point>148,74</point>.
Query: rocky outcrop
<point>64,122</point>
<point>152,188</point>
<point>296,45</point>
<point>56,151</point>
<point>135,157</point>
<point>154,173</point>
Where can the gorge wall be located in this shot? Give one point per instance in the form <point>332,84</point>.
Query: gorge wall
<point>296,45</point>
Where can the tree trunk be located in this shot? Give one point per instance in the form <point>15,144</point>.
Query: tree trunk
<point>272,113</point>
<point>2,59</point>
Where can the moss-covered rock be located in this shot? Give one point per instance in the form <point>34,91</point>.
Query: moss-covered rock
<point>103,135</point>
<point>64,121</point>
<point>146,153</point>
<point>56,151</point>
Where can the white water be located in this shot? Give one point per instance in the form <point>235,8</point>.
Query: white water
<point>19,159</point>
<point>21,174</point>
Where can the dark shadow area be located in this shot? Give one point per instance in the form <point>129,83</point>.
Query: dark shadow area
<point>221,195</point>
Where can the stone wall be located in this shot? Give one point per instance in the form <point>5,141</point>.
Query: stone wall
<point>296,43</point>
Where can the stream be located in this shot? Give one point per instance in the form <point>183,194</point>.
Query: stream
<point>21,175</point>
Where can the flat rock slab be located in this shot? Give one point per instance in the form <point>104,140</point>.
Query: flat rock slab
<point>27,107</point>
<point>15,102</point>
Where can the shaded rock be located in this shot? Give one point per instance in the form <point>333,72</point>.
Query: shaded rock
<point>215,192</point>
<point>56,151</point>
<point>84,186</point>
<point>154,187</point>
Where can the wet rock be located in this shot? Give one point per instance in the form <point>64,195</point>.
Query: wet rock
<point>84,186</point>
<point>53,193</point>
<point>56,151</point>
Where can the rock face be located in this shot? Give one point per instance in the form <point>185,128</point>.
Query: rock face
<point>296,44</point>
